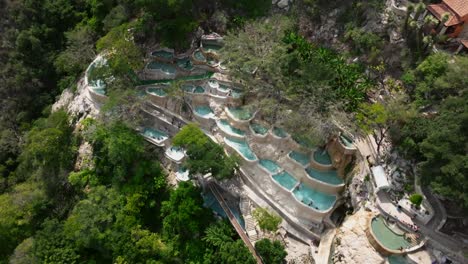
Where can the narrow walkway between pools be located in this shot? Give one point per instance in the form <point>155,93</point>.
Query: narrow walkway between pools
<point>233,220</point>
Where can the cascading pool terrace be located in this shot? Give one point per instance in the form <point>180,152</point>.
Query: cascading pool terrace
<point>271,160</point>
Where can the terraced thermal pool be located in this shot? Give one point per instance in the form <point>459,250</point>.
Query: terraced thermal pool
<point>226,127</point>
<point>241,147</point>
<point>270,165</point>
<point>321,156</point>
<point>164,67</point>
<point>204,111</point>
<point>157,91</point>
<point>259,129</point>
<point>330,177</point>
<point>386,236</point>
<point>240,113</point>
<point>301,158</point>
<point>314,198</point>
<point>285,179</point>
<point>155,134</point>
<point>346,141</point>
<point>279,132</point>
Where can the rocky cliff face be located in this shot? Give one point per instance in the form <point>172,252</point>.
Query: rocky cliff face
<point>351,244</point>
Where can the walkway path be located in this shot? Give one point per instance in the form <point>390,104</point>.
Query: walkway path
<point>233,221</point>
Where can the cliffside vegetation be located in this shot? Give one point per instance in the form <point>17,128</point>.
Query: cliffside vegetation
<point>117,207</point>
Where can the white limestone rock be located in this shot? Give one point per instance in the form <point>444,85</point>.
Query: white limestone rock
<point>353,246</point>
<point>283,4</point>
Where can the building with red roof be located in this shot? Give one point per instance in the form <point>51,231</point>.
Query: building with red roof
<point>453,14</point>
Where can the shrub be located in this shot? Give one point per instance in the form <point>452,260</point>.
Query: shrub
<point>266,220</point>
<point>416,199</point>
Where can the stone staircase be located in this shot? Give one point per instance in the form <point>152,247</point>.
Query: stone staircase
<point>250,222</point>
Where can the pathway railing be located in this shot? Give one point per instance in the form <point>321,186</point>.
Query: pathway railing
<point>214,189</point>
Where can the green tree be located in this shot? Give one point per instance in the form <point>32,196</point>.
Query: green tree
<point>113,164</point>
<point>19,209</point>
<point>204,155</point>
<point>416,199</point>
<point>271,252</point>
<point>374,119</point>
<point>122,52</point>
<point>185,219</point>
<point>266,220</point>
<point>50,245</point>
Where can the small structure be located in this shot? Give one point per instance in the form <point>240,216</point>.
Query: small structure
<point>380,179</point>
<point>453,14</point>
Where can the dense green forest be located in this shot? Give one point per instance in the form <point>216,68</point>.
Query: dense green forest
<point>118,208</point>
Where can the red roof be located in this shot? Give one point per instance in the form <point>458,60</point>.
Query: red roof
<point>464,42</point>
<point>460,7</point>
<point>439,10</point>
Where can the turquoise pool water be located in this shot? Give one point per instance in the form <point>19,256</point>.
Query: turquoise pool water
<point>270,165</point>
<point>204,110</point>
<point>321,156</point>
<point>313,198</point>
<point>199,56</point>
<point>155,134</point>
<point>240,113</point>
<point>209,201</point>
<point>226,127</point>
<point>157,91</point>
<point>199,89</point>
<point>185,63</point>
<point>259,129</point>
<point>302,158</point>
<point>163,54</point>
<point>285,179</point>
<point>279,132</point>
<point>164,67</point>
<point>386,236</point>
<point>242,147</point>
<point>346,141</point>
<point>330,177</point>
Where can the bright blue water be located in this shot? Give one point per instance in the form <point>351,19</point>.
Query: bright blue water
<point>270,165</point>
<point>313,198</point>
<point>164,67</point>
<point>226,127</point>
<point>155,134</point>
<point>330,177</point>
<point>302,158</point>
<point>285,179</point>
<point>322,157</point>
<point>211,202</point>
<point>242,147</point>
<point>279,132</point>
<point>163,54</point>
<point>203,110</point>
<point>157,91</point>
<point>259,129</point>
